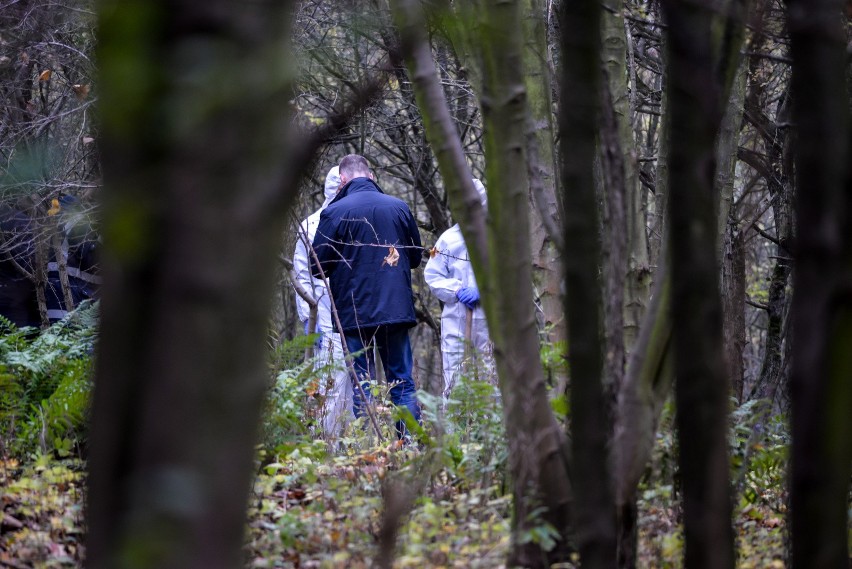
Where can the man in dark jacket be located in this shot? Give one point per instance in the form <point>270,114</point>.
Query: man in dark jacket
<point>367,243</point>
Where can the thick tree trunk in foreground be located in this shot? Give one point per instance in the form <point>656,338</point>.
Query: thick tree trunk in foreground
<point>590,431</point>
<point>193,139</point>
<point>821,391</point>
<point>502,266</point>
<point>702,389</point>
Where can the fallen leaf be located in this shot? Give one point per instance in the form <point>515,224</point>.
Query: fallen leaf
<point>45,75</point>
<point>393,257</point>
<point>88,140</point>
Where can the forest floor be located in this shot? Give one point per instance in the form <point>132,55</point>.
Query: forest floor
<point>315,510</point>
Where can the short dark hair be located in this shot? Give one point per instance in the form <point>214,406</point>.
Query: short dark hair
<point>354,166</point>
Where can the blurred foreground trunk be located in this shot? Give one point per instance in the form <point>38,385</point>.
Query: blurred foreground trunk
<point>820,386</point>
<point>702,390</point>
<point>590,430</point>
<point>194,100</point>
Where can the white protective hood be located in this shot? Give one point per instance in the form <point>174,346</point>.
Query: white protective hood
<point>332,183</point>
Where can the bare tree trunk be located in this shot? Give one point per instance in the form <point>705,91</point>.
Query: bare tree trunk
<point>649,375</point>
<point>637,276</point>
<point>646,387</point>
<point>733,291</point>
<point>590,430</point>
<point>821,392</point>
<point>199,175</point>
<point>613,247</point>
<point>501,261</point>
<point>546,235</point>
<point>702,390</point>
<point>777,171</point>
<point>730,239</point>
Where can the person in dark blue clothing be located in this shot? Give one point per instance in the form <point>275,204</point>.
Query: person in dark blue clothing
<point>367,243</point>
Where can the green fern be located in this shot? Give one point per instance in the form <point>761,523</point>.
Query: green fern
<point>45,383</point>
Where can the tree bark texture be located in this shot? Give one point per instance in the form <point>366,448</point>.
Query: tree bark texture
<point>659,225</point>
<point>733,289</point>
<point>545,216</point>
<point>637,277</point>
<point>701,389</point>
<point>777,171</point>
<point>731,251</point>
<point>535,446</point>
<point>503,265</point>
<point>613,245</point>
<point>647,384</point>
<point>193,131</point>
<point>590,428</point>
<point>821,392</point>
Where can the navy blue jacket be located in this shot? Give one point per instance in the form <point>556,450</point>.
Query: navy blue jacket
<point>353,239</point>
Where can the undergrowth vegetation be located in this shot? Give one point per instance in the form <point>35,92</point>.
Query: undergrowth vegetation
<point>45,382</point>
<point>321,503</point>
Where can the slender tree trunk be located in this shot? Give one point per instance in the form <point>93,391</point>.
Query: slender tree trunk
<point>647,385</point>
<point>659,227</point>
<point>821,392</point>
<point>731,253</point>
<point>545,218</point>
<point>613,246</point>
<point>502,264</point>
<point>702,390</point>
<point>776,171</point>
<point>733,291</point>
<point>579,104</point>
<point>649,374</point>
<point>637,275</point>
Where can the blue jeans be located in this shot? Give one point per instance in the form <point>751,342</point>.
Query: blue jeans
<point>395,351</point>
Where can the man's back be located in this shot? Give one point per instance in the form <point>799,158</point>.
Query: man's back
<point>371,283</point>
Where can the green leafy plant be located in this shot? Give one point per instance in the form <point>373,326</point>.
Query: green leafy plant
<point>46,379</point>
<point>295,403</point>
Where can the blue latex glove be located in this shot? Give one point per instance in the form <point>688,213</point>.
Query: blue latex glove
<point>469,296</point>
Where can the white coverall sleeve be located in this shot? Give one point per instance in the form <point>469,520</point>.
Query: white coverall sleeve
<point>438,277</point>
<point>302,270</point>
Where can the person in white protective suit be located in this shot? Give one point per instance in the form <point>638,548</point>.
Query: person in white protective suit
<point>450,276</point>
<point>337,388</point>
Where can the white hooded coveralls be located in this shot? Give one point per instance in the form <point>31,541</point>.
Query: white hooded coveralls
<point>337,389</point>
<point>445,273</point>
